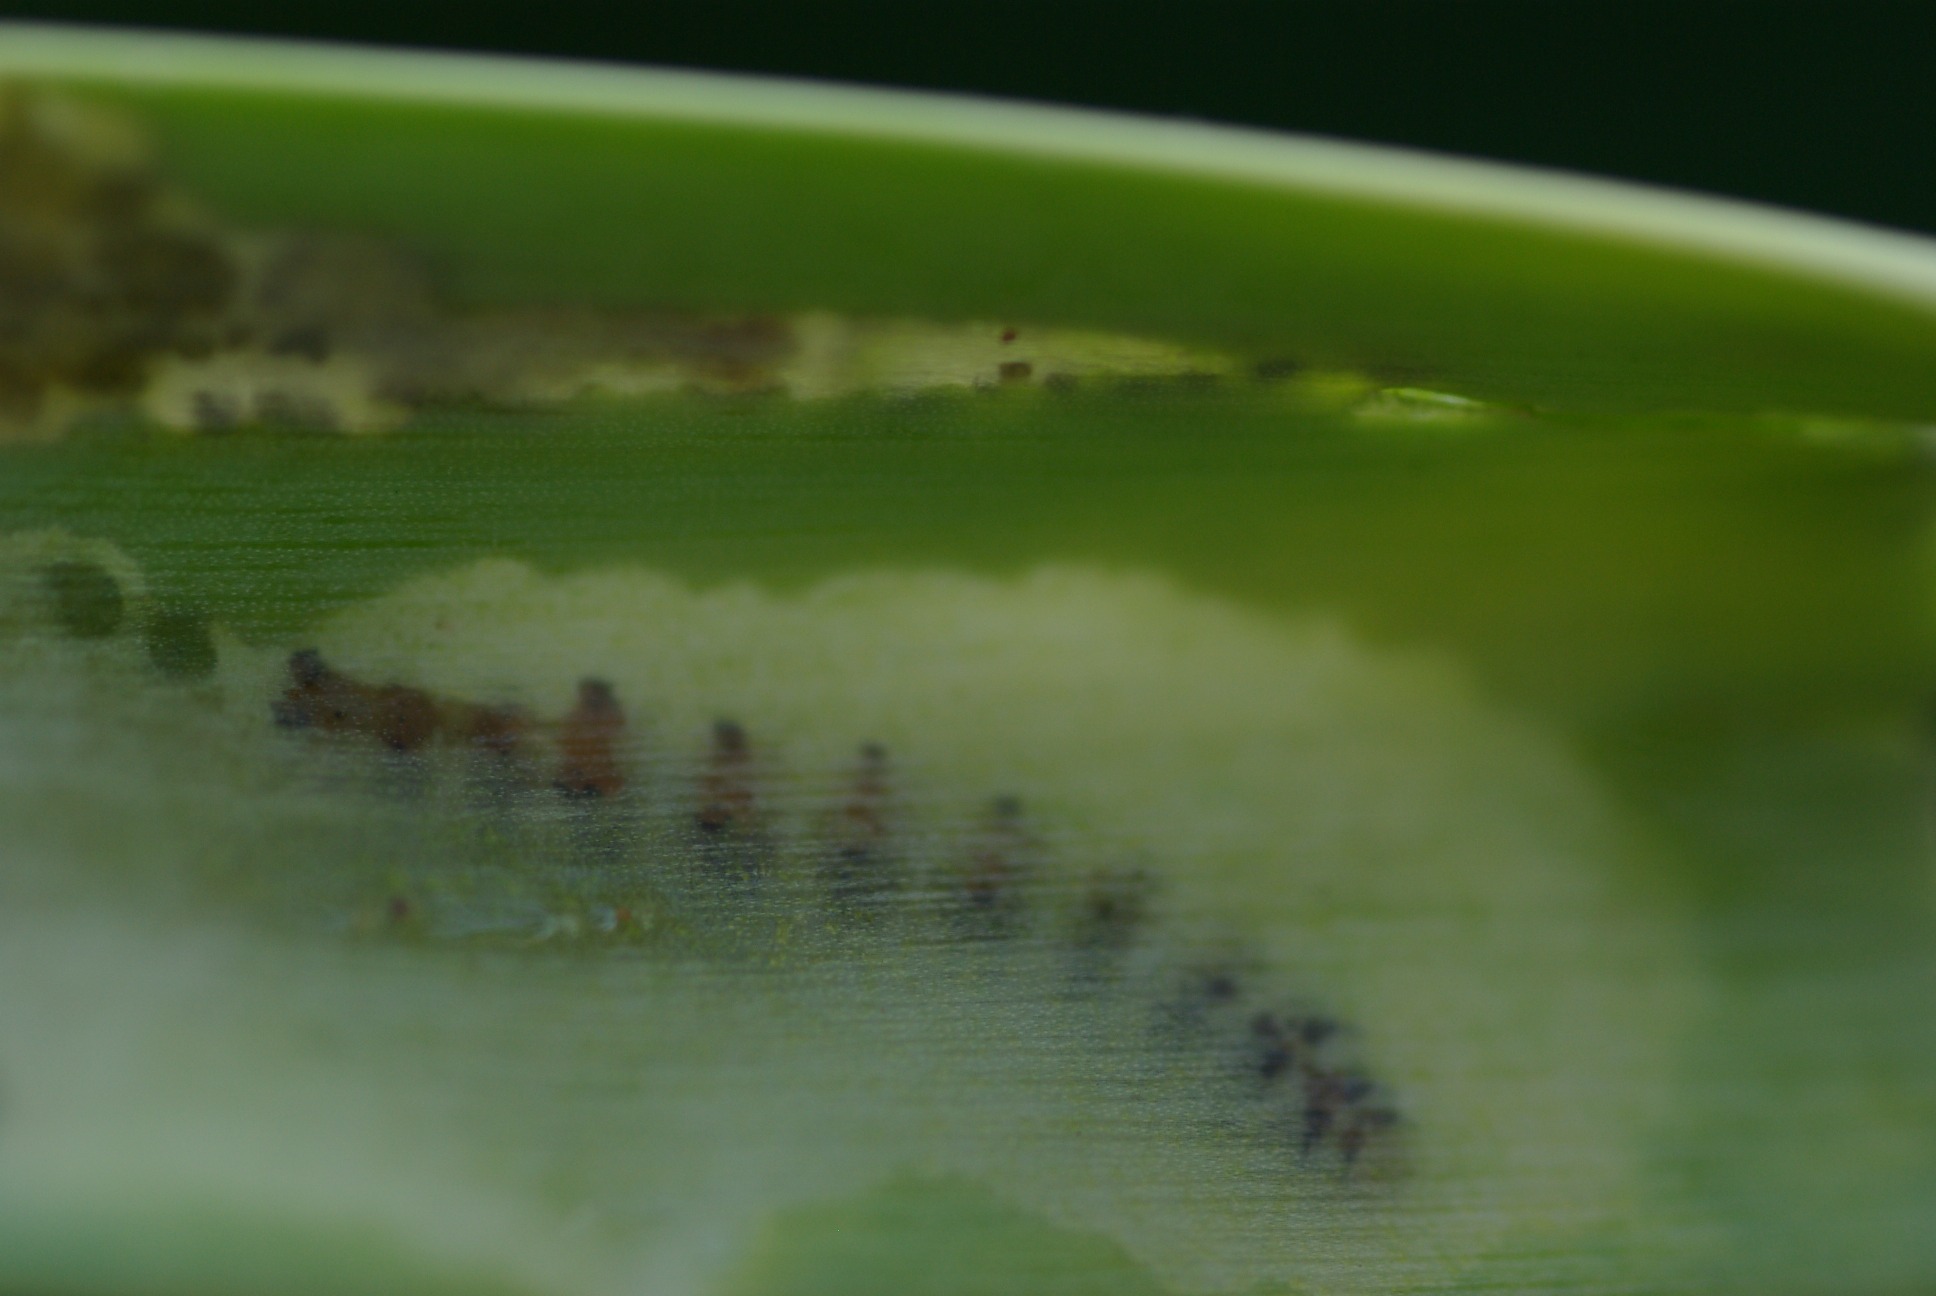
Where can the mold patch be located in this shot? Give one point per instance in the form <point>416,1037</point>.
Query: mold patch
<point>125,296</point>
<point>1264,956</point>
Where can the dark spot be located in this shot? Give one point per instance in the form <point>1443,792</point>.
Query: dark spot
<point>1315,1030</point>
<point>1328,1095</point>
<point>726,798</point>
<point>179,644</point>
<point>1113,908</point>
<point>1008,335</point>
<point>320,697</point>
<point>1364,1123</point>
<point>858,867</point>
<point>1276,1054</point>
<point>306,667</point>
<point>589,741</point>
<point>1275,369</point>
<point>308,341</point>
<point>1272,1061</point>
<point>1318,1117</point>
<point>406,718</point>
<point>1016,371</point>
<point>85,600</point>
<point>995,874</point>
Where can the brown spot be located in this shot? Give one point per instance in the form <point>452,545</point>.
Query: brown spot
<point>1016,371</point>
<point>726,798</point>
<point>1008,335</point>
<point>319,697</point>
<point>1327,1096</point>
<point>406,718</point>
<point>863,814</point>
<point>1114,906</point>
<point>1365,1123</point>
<point>999,864</point>
<point>588,743</point>
<point>858,866</point>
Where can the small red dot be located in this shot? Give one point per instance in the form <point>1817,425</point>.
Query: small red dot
<point>1008,335</point>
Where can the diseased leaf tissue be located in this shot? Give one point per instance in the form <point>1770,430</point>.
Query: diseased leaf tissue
<point>122,292</point>
<point>665,913</point>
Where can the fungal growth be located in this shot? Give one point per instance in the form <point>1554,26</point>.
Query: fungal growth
<point>590,924</point>
<point>125,296</point>
<point>734,897</point>
<point>998,885</point>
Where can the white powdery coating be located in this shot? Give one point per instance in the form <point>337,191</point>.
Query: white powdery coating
<point>1440,875</point>
<point>1447,877</point>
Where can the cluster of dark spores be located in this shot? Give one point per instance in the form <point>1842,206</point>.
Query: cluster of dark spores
<point>996,889</point>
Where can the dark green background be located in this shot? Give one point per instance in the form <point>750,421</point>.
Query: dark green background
<point>1831,107</point>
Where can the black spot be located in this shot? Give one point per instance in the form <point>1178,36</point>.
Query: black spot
<point>1276,1054</point>
<point>1318,1118</point>
<point>1315,1030</point>
<point>1113,909</point>
<point>86,601</point>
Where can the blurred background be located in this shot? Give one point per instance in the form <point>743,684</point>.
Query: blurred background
<point>1818,105</point>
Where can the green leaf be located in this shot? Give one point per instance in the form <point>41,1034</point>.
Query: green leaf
<point>1201,712</point>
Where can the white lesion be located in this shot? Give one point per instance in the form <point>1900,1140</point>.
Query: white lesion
<point>1366,824</point>
<point>840,355</point>
<point>142,301</point>
<point>235,389</point>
